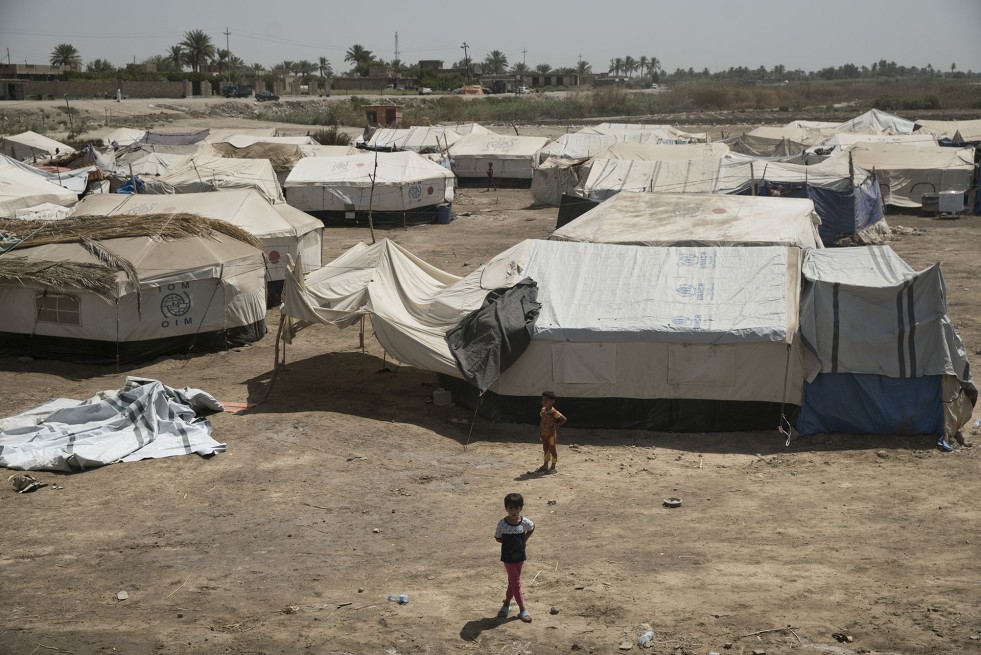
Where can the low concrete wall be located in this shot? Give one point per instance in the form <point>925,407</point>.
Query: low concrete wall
<point>56,89</point>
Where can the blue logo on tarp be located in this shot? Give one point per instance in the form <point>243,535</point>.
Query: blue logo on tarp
<point>703,259</point>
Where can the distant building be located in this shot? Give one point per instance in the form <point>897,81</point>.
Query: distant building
<point>431,65</point>
<point>29,71</point>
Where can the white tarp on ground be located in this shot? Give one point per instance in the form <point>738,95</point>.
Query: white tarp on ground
<point>514,157</point>
<point>144,420</point>
<point>28,145</point>
<point>20,189</point>
<point>283,230</point>
<point>403,181</point>
<point>616,321</point>
<point>906,174</point>
<point>676,219</point>
<point>432,138</point>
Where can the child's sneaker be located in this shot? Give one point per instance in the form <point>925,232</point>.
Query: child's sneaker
<point>504,611</point>
<point>524,616</point>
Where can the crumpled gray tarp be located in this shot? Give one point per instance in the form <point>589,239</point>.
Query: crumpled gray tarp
<point>491,338</point>
<point>145,419</point>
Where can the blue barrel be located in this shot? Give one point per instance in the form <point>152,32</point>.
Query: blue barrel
<point>443,214</point>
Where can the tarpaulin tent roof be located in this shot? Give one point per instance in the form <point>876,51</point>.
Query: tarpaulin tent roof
<point>514,157</point>
<point>246,140</point>
<point>206,172</point>
<point>769,141</point>
<point>607,177</point>
<point>402,181</point>
<point>578,145</point>
<point>664,151</point>
<point>959,131</point>
<point>123,136</point>
<point>20,189</point>
<point>675,219</point>
<point>469,128</point>
<point>553,178</point>
<point>75,180</point>
<point>281,229</point>
<point>872,326</point>
<point>27,145</point>
<point>220,134</point>
<point>906,174</point>
<point>644,133</point>
<point>329,151</point>
<point>876,122</point>
<point>174,138</point>
<point>282,156</point>
<point>431,138</point>
<point>845,140</point>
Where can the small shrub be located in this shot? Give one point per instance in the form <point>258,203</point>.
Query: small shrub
<point>330,137</point>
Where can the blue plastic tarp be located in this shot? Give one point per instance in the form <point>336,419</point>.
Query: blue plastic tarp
<point>872,404</point>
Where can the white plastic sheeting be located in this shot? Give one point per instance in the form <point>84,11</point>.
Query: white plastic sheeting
<point>145,419</point>
<point>20,189</point>
<point>671,219</point>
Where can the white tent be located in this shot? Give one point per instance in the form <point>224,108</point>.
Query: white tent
<point>20,189</point>
<point>123,136</point>
<point>469,128</point>
<point>664,151</point>
<point>434,138</point>
<point>770,141</point>
<point>403,181</point>
<point>608,177</point>
<point>906,174</point>
<point>281,229</point>
<point>513,157</point>
<point>189,295</point>
<point>619,323</point>
<point>555,177</point>
<point>644,133</point>
<point>578,145</point>
<point>330,151</point>
<point>673,219</point>
<point>31,145</point>
<point>877,122</point>
<point>75,180</point>
<point>220,134</point>
<point>206,172</point>
<point>958,131</point>
<point>246,140</point>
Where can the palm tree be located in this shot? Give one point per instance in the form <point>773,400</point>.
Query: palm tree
<point>360,57</point>
<point>655,65</point>
<point>198,49</point>
<point>583,68</point>
<point>543,69</point>
<point>66,55</point>
<point>176,56</point>
<point>629,65</point>
<point>643,65</point>
<point>520,68</point>
<point>496,62</point>
<point>220,61</point>
<point>257,67</point>
<point>617,66</point>
<point>326,70</point>
<point>102,67</point>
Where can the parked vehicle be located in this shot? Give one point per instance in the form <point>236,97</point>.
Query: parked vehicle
<point>237,91</point>
<point>425,91</point>
<point>263,96</point>
<point>523,90</point>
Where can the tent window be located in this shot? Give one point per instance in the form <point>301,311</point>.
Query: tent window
<point>64,310</point>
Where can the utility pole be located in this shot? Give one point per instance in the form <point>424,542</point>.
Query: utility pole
<point>398,62</point>
<point>523,53</point>
<point>466,60</point>
<point>228,58</point>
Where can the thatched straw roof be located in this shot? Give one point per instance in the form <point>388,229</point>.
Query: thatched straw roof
<point>121,226</point>
<point>90,232</point>
<point>99,279</point>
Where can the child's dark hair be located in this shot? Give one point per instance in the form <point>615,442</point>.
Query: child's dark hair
<point>548,394</point>
<point>514,500</point>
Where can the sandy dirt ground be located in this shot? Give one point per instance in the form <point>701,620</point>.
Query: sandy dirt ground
<point>345,485</point>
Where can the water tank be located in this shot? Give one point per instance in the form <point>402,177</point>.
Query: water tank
<point>950,202</point>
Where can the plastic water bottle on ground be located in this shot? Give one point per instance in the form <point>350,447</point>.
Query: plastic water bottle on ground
<point>644,641</point>
<point>403,599</point>
<point>977,423</point>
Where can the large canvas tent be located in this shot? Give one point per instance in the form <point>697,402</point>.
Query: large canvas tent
<point>905,174</point>
<point>130,289</point>
<point>514,157</point>
<point>21,189</point>
<point>421,139</point>
<point>665,338</point>
<point>685,219</point>
<point>206,172</point>
<point>383,182</point>
<point>882,355</point>
<point>282,230</point>
<point>31,145</point>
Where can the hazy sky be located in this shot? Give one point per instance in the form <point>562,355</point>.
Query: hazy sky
<point>715,34</point>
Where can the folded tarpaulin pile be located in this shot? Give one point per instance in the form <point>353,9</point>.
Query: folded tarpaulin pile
<point>145,419</point>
